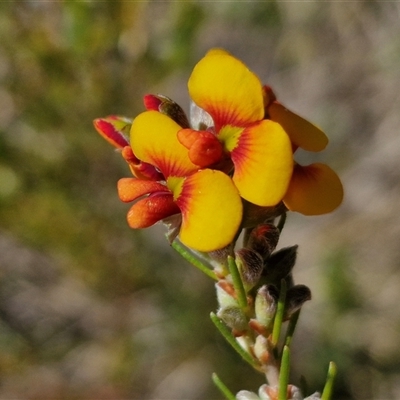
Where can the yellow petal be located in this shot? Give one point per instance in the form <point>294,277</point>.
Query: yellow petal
<point>154,140</point>
<point>314,190</point>
<point>224,87</point>
<point>211,210</point>
<point>301,132</point>
<point>263,163</point>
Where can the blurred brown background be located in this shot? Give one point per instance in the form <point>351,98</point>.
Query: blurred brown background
<point>90,309</point>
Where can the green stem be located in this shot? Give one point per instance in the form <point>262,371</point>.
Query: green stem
<point>222,387</point>
<point>227,334</point>
<point>284,374</point>
<point>237,283</point>
<point>292,326</point>
<point>280,310</point>
<point>188,256</point>
<point>330,379</point>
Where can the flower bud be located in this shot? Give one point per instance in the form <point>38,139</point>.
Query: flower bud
<point>114,129</point>
<point>250,265</point>
<point>296,296</point>
<point>262,349</point>
<point>280,264</point>
<point>166,106</point>
<point>233,317</point>
<point>265,304</point>
<point>267,392</point>
<point>246,395</point>
<point>140,169</point>
<point>225,294</point>
<point>264,239</point>
<point>294,393</point>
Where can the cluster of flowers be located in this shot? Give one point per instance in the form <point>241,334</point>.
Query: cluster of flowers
<point>233,162</point>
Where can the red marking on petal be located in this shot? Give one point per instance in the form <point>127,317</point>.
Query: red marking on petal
<point>128,155</point>
<point>141,170</point>
<point>152,102</point>
<point>109,132</point>
<point>148,211</point>
<point>130,189</point>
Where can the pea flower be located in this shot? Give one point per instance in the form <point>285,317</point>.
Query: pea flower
<point>244,130</point>
<point>314,189</point>
<point>239,153</point>
<point>167,183</point>
<point>255,151</point>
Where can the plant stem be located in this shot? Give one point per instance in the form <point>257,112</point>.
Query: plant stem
<point>292,326</point>
<point>237,283</point>
<point>227,334</point>
<point>188,256</point>
<point>222,387</point>
<point>276,331</point>
<point>284,374</point>
<point>330,379</point>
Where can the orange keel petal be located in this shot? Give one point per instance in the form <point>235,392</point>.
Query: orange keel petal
<point>263,163</point>
<point>314,190</point>
<point>148,211</point>
<point>204,147</point>
<point>130,189</point>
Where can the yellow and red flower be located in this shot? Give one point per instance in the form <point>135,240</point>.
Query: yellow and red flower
<point>256,152</point>
<point>241,149</point>
<point>208,221</point>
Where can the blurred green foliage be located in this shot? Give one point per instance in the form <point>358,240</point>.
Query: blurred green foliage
<point>89,308</point>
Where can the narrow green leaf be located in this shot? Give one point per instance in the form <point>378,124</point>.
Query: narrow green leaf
<point>292,326</point>
<point>280,310</point>
<point>330,379</point>
<point>189,256</point>
<point>227,334</point>
<point>222,387</point>
<point>284,374</point>
<point>237,283</point>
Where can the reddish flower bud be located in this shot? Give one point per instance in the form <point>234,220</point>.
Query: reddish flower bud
<point>114,129</point>
<point>141,169</point>
<point>264,239</point>
<point>250,265</point>
<point>166,106</point>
